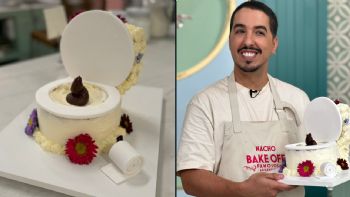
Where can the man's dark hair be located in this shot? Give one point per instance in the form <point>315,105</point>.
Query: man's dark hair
<point>256,5</point>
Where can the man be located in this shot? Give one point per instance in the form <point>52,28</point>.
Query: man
<point>235,131</point>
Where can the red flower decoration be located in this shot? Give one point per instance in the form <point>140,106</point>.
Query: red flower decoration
<point>81,149</point>
<point>306,168</point>
<point>126,123</point>
<point>122,18</point>
<point>343,164</point>
<point>337,101</point>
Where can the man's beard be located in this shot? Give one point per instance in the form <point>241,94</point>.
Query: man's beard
<point>248,68</point>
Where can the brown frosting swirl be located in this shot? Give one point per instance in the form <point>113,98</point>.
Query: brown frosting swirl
<point>309,140</point>
<point>79,95</point>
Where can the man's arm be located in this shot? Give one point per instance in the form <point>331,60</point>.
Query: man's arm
<point>204,183</point>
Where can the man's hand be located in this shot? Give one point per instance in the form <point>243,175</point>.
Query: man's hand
<point>204,183</point>
<point>264,184</point>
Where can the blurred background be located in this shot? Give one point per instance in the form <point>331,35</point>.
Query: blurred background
<point>31,28</point>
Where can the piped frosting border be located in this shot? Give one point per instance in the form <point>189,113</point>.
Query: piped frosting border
<point>139,44</point>
<point>50,146</point>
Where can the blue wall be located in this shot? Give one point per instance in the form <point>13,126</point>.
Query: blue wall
<point>186,88</point>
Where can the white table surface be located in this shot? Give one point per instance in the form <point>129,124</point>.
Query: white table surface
<point>19,81</point>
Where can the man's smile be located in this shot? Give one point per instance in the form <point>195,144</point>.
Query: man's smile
<point>249,53</point>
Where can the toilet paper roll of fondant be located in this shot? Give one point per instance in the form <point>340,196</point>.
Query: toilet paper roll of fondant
<point>329,169</point>
<point>126,158</point>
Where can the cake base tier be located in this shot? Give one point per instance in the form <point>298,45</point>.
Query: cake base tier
<point>327,153</point>
<point>23,160</point>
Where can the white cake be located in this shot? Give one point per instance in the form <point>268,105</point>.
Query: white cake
<point>317,154</point>
<point>60,121</point>
<point>329,125</point>
<point>109,67</point>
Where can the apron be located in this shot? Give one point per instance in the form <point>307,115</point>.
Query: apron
<point>251,147</point>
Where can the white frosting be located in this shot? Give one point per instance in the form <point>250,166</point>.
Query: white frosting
<point>47,144</point>
<point>344,140</point>
<point>318,156</point>
<point>96,94</point>
<point>103,146</point>
<point>106,105</point>
<point>288,172</point>
<point>139,44</point>
<point>59,129</point>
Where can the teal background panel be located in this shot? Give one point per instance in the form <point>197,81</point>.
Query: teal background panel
<point>301,57</point>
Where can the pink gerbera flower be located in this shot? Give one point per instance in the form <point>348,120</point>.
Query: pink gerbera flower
<point>306,168</point>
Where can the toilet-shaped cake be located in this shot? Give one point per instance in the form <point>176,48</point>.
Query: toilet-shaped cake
<point>323,121</point>
<point>102,56</point>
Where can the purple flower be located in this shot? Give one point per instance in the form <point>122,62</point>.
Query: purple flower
<point>32,123</point>
<point>138,58</point>
<point>283,165</point>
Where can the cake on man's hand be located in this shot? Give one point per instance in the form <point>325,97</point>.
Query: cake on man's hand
<point>326,148</point>
<point>306,159</point>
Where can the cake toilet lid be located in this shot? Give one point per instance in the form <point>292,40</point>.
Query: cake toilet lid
<point>97,46</point>
<point>323,120</point>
